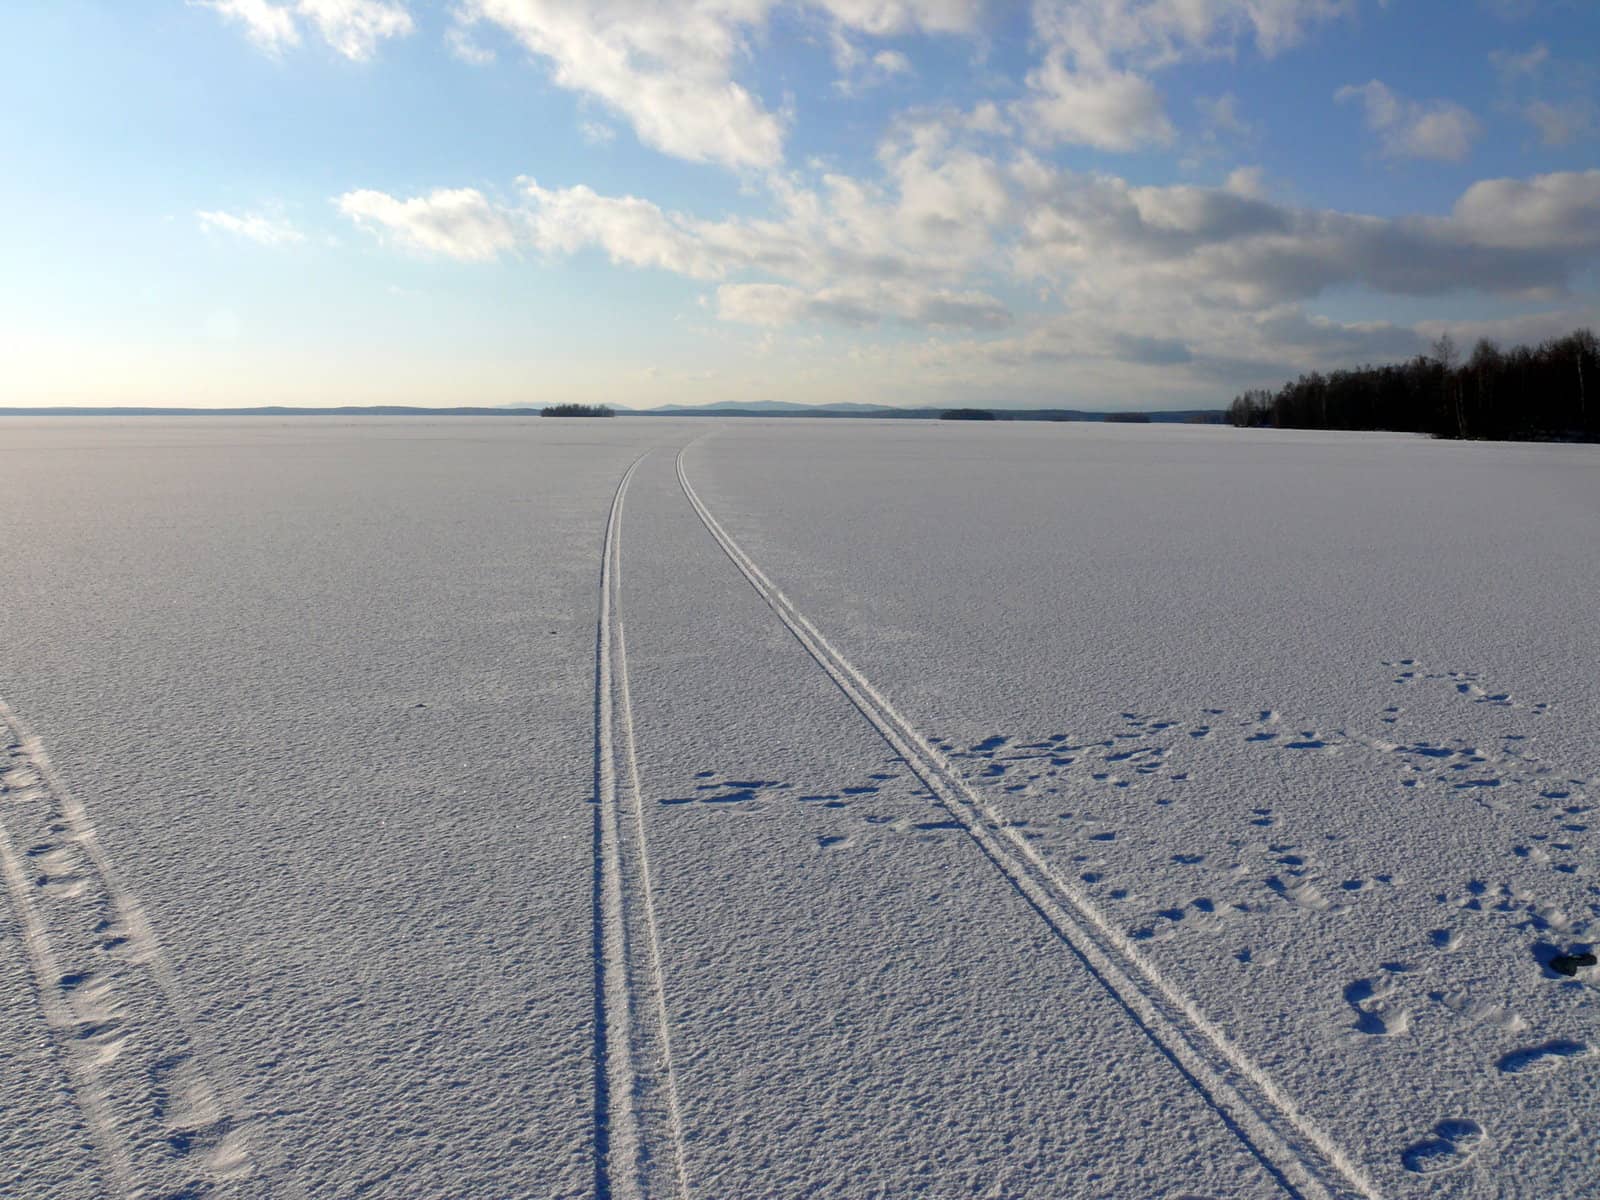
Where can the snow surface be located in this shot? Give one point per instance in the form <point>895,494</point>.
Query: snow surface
<point>840,808</point>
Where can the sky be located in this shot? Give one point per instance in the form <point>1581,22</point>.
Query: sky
<point>1115,204</point>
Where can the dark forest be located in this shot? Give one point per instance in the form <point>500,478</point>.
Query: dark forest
<point>1543,392</point>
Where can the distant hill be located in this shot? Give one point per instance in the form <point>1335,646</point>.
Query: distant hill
<point>729,408</point>
<point>781,408</point>
<point>771,408</point>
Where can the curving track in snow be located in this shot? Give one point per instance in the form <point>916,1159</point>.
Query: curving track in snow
<point>1293,1149</point>
<point>638,1120</point>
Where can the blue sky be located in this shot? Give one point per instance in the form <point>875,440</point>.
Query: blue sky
<point>1087,203</point>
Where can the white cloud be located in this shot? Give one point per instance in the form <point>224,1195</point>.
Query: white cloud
<point>270,26</point>
<point>1529,62</point>
<point>1091,88</point>
<point>1221,115</point>
<point>355,27</point>
<point>666,68</point>
<point>1560,124</point>
<point>1209,282</point>
<point>1106,241</point>
<point>1553,96</point>
<point>905,249</point>
<point>1249,182</point>
<point>256,227</point>
<point>669,69</point>
<point>458,223</point>
<point>860,305</point>
<point>1110,110</point>
<point>462,45</point>
<point>859,71</point>
<point>352,27</point>
<point>1155,33</point>
<point>1435,129</point>
<point>1557,212</point>
<point>881,18</point>
<point>1521,330</point>
<point>892,62</point>
<point>923,246</point>
<point>633,232</point>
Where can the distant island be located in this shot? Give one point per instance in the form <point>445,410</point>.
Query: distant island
<point>1528,393</point>
<point>576,410</point>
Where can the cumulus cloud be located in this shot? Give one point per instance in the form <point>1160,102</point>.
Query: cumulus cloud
<point>352,27</point>
<point>1221,117</point>
<point>905,248</point>
<point>270,26</point>
<point>860,305</point>
<point>882,18</point>
<point>1155,33</point>
<point>1202,280</point>
<point>666,68</point>
<point>669,69</point>
<point>1162,351</point>
<point>1511,64</point>
<point>455,222</point>
<point>1559,124</point>
<point>255,227</point>
<point>859,71</point>
<point>1553,96</point>
<point>1436,129</point>
<point>355,27</point>
<point>931,240</point>
<point>1558,212</point>
<point>1218,246</point>
<point>1092,86</point>
<point>462,45</point>
<point>1110,110</point>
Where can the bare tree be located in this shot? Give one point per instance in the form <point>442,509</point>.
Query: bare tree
<point>1584,345</point>
<point>1445,352</point>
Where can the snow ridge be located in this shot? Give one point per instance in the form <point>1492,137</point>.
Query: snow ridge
<point>140,1074</point>
<point>1304,1160</point>
<point>639,1121</point>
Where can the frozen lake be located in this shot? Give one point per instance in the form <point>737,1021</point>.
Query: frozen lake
<point>676,808</point>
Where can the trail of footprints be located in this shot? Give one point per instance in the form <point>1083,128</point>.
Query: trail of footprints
<point>752,795</point>
<point>1101,783</point>
<point>156,1120</point>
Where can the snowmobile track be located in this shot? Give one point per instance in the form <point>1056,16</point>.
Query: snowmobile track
<point>1303,1159</point>
<point>638,1120</point>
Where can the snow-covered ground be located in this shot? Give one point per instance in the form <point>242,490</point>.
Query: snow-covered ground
<point>652,808</point>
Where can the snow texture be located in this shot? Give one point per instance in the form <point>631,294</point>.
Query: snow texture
<point>659,808</point>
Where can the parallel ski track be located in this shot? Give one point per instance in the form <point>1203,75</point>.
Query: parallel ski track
<point>141,1072</point>
<point>1303,1159</point>
<point>634,1075</point>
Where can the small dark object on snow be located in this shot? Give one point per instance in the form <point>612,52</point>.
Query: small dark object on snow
<point>1568,964</point>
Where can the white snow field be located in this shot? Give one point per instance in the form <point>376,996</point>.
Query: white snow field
<point>658,809</point>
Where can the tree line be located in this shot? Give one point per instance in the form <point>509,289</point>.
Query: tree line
<point>1548,391</point>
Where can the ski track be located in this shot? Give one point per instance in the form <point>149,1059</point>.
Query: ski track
<point>638,1119</point>
<point>1302,1158</point>
<point>140,1071</point>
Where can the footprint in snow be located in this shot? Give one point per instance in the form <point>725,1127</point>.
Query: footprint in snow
<point>1452,1146</point>
<point>1375,1016</point>
<point>1543,1057</point>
